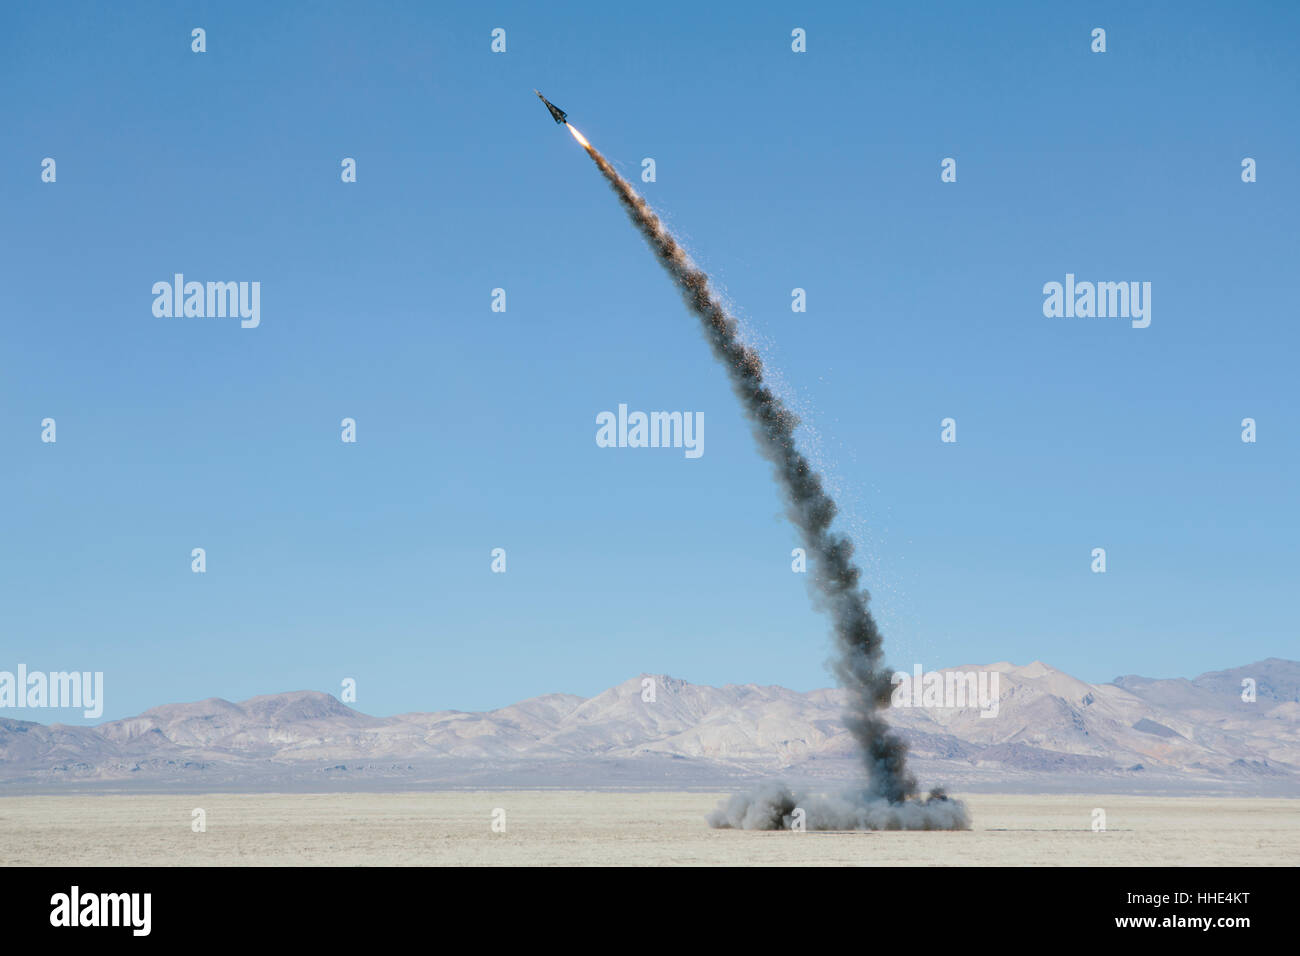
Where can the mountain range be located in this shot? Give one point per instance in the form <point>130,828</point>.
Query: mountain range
<point>1052,733</point>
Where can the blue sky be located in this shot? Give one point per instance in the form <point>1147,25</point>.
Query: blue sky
<point>476,429</point>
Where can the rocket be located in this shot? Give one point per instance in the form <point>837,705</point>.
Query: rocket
<point>559,114</point>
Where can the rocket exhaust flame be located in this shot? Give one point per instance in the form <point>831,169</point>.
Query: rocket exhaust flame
<point>890,799</point>
<point>578,136</point>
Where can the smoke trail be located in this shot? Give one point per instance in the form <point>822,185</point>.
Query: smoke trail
<point>858,662</point>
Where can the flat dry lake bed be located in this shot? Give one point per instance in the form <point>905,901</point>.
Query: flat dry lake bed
<point>622,828</point>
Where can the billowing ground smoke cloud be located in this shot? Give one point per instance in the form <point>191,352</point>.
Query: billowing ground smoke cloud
<point>889,801</point>
<point>772,807</point>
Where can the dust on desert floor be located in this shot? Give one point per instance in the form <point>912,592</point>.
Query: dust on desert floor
<point>622,828</point>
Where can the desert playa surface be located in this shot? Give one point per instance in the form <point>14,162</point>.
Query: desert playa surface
<point>622,828</point>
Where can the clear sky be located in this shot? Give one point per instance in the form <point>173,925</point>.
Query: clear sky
<point>476,429</point>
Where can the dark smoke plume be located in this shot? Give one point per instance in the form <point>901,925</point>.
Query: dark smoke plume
<point>889,800</point>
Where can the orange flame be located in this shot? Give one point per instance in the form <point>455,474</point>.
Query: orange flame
<point>579,137</point>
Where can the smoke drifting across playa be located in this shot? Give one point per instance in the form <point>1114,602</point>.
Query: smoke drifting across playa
<point>890,799</point>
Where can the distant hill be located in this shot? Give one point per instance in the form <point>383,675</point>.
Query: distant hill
<point>1051,732</point>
